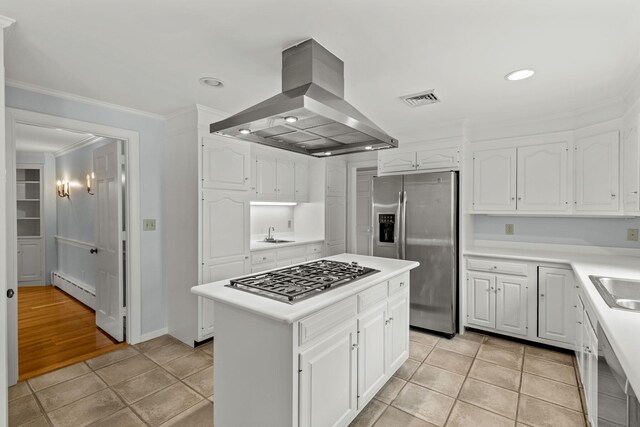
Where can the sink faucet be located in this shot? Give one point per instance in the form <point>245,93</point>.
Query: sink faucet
<point>269,236</point>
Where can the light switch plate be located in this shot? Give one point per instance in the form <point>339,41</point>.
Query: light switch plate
<point>508,229</point>
<point>148,224</point>
<point>632,234</point>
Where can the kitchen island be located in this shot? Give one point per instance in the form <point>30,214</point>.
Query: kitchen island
<point>315,362</point>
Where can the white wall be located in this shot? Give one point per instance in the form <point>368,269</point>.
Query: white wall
<point>263,217</point>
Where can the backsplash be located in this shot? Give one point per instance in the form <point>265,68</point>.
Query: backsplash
<point>263,217</point>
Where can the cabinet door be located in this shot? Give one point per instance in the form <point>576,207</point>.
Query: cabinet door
<point>285,180</point>
<point>591,386</point>
<point>29,260</point>
<point>266,178</point>
<point>205,305</point>
<point>371,352</point>
<point>226,163</point>
<point>481,299</point>
<point>225,225</point>
<point>511,304</point>
<point>328,377</point>
<point>542,178</point>
<point>254,177</point>
<point>398,332</point>
<point>302,181</point>
<point>556,301</point>
<point>597,169</point>
<point>335,214</point>
<point>396,162</point>
<point>580,338</point>
<point>494,180</point>
<point>437,159</point>
<point>631,167</point>
<point>336,179</point>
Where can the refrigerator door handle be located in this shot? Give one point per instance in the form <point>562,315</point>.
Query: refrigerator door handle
<point>403,226</point>
<point>398,228</point>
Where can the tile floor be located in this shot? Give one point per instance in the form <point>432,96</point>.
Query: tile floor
<point>158,382</point>
<point>476,380</point>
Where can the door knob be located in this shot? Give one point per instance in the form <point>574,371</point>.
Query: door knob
<point>94,250</point>
<point>10,293</point>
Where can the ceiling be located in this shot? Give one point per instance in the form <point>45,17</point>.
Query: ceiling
<point>149,54</point>
<point>48,140</point>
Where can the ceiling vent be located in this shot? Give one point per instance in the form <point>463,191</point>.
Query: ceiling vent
<point>422,98</point>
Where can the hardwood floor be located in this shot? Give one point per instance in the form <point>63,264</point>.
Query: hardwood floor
<point>55,330</point>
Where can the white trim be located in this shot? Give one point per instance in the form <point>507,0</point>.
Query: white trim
<point>76,146</point>
<point>154,334</point>
<point>352,170</point>
<point>75,288</point>
<point>78,98</point>
<point>6,22</point>
<point>550,248</point>
<point>74,242</point>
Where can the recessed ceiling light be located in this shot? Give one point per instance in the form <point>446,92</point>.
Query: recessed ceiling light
<point>369,147</point>
<point>327,153</point>
<point>244,131</point>
<point>211,81</point>
<point>519,74</point>
<point>291,119</point>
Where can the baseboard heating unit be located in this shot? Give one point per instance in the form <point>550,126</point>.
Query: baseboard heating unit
<point>75,288</point>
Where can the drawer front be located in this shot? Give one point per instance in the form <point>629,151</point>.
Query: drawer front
<point>290,253</point>
<point>372,296</point>
<point>326,320</point>
<point>399,282</point>
<point>263,257</point>
<point>262,267</point>
<point>516,268</point>
<point>314,249</point>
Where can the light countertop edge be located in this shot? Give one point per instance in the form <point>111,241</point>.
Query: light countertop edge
<point>261,246</point>
<point>289,313</point>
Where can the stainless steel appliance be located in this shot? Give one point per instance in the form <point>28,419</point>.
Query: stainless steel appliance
<point>617,401</point>
<point>415,217</point>
<point>301,281</point>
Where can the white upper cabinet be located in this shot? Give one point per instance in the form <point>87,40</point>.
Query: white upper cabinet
<point>542,178</point>
<point>433,159</point>
<point>226,163</point>
<point>396,162</point>
<point>437,159</point>
<point>285,179</point>
<point>597,169</point>
<point>631,168</point>
<point>302,181</point>
<point>494,180</point>
<point>336,213</point>
<point>266,177</point>
<point>336,179</point>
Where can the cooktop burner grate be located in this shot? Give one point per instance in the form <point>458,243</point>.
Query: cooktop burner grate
<point>294,283</point>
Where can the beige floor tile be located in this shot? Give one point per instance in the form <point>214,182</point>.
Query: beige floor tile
<point>189,364</point>
<point>500,356</point>
<point>537,413</point>
<point>473,336</point>
<point>369,414</point>
<point>41,421</point>
<point>513,346</point>
<point>552,370</point>
<point>554,356</point>
<point>449,360</point>
<point>394,417</point>
<point>459,345</point>
<point>390,390</point>
<point>113,357</point>
<point>207,348</point>
<point>407,369</point>
<point>87,410</point>
<point>551,391</point>
<point>59,395</point>
<point>423,338</point>
<point>423,403</point>
<point>466,415</point>
<point>23,410</point>
<point>61,375</point>
<point>165,354</point>
<point>495,374</point>
<point>487,396</point>
<point>419,351</point>
<point>200,415</point>
<point>126,369</point>
<point>166,404</point>
<point>439,380</point>
<point>156,343</point>
<point>122,418</point>
<point>19,390</point>
<point>202,381</point>
<point>144,385</point>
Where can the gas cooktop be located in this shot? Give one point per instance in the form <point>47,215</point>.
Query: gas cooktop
<point>292,284</point>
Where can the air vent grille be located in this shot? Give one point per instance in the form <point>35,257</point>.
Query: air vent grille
<point>422,98</point>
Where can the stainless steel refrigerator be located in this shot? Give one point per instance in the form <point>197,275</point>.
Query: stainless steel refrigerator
<point>415,217</point>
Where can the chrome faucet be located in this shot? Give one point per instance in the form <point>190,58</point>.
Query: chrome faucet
<point>269,236</point>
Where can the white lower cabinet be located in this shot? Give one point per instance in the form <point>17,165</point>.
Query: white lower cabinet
<point>398,331</point>
<point>30,260</point>
<point>372,341</point>
<point>276,258</point>
<point>481,303</point>
<point>587,356</point>
<point>556,301</point>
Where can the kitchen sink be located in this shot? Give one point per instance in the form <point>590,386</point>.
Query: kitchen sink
<point>277,241</point>
<point>618,293</point>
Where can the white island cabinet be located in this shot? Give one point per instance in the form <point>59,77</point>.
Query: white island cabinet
<point>316,362</point>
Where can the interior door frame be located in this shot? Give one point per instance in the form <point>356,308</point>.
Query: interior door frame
<point>131,142</point>
<point>352,177</point>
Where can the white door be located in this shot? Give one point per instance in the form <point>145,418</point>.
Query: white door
<point>542,178</point>
<point>336,179</point>
<point>110,312</point>
<point>336,212</point>
<point>398,331</point>
<point>597,168</point>
<point>363,212</point>
<point>556,300</point>
<point>371,352</point>
<point>266,173</point>
<point>302,181</point>
<point>29,260</point>
<point>511,304</point>
<point>396,162</point>
<point>481,299</point>
<point>328,375</point>
<point>226,163</point>
<point>285,180</point>
<point>437,159</point>
<point>494,180</point>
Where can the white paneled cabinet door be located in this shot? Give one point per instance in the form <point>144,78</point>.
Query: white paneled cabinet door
<point>396,162</point>
<point>225,226</point>
<point>556,301</point>
<point>371,352</point>
<point>397,331</point>
<point>302,181</point>
<point>285,179</point>
<point>29,260</point>
<point>481,300</point>
<point>226,163</point>
<point>336,179</point>
<point>580,338</point>
<point>542,178</point>
<point>336,212</point>
<point>631,168</point>
<point>266,178</point>
<point>328,380</point>
<point>437,159</point>
<point>591,362</point>
<point>597,169</point>
<point>494,180</point>
<point>511,304</point>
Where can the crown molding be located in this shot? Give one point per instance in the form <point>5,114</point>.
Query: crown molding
<point>77,98</point>
<point>77,145</point>
<point>6,22</point>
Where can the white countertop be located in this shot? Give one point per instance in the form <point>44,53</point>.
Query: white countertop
<point>622,327</point>
<point>258,245</point>
<point>289,313</point>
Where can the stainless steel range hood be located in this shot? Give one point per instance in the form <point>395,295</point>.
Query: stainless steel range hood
<point>310,116</point>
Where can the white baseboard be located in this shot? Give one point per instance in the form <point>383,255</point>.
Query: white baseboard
<point>75,288</point>
<point>153,334</point>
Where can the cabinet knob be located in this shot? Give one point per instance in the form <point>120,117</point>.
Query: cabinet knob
<point>613,196</point>
<point>519,198</point>
<point>354,346</point>
<point>401,284</point>
<point>495,267</point>
<point>579,322</point>
<point>499,289</point>
<point>246,178</point>
<point>390,319</point>
<point>513,198</point>
<point>386,322</point>
<point>264,258</point>
<point>541,295</point>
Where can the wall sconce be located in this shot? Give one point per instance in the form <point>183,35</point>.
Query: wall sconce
<point>63,188</point>
<point>90,180</point>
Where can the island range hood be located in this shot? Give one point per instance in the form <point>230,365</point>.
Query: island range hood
<point>310,116</point>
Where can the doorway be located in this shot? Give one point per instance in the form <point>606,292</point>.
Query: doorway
<point>364,180</point>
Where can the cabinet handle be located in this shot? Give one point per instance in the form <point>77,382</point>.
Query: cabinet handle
<point>390,319</point>
<point>401,284</point>
<point>386,322</point>
<point>354,346</point>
